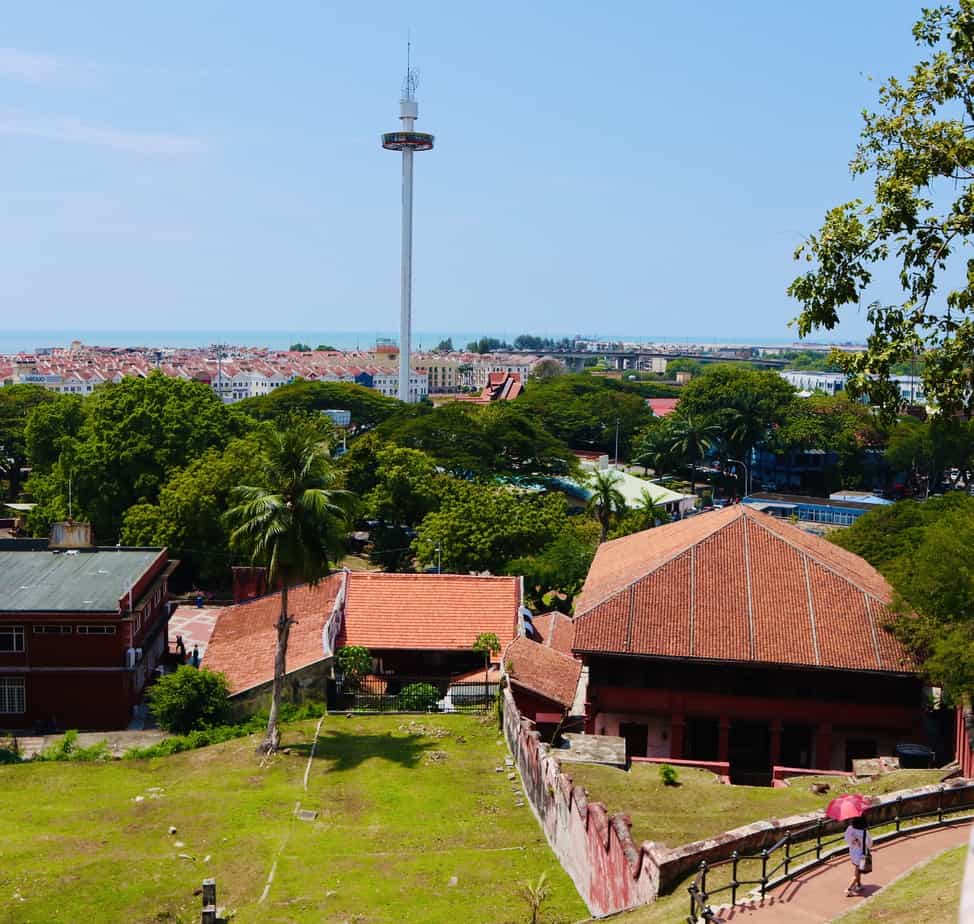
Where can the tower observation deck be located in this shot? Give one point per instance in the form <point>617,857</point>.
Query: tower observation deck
<point>407,141</point>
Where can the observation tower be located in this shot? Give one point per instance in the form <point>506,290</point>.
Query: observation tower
<point>407,141</point>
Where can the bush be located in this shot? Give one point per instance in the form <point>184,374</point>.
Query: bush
<point>418,697</point>
<point>668,775</point>
<point>68,749</point>
<point>355,662</point>
<point>190,700</point>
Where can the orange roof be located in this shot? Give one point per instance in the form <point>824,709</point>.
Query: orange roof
<point>542,671</point>
<point>737,585</point>
<point>243,643</point>
<point>662,407</point>
<point>555,630</point>
<point>433,612</point>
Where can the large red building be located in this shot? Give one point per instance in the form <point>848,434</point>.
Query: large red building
<point>735,637</point>
<point>81,630</point>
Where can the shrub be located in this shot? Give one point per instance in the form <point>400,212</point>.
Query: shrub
<point>190,700</point>
<point>418,697</point>
<point>69,749</point>
<point>354,661</point>
<point>668,775</point>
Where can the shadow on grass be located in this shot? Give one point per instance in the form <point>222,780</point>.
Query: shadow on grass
<point>347,750</point>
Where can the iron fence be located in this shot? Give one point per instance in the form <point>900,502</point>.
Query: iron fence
<point>395,693</point>
<point>793,854</point>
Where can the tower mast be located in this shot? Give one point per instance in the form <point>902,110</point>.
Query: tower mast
<point>408,141</point>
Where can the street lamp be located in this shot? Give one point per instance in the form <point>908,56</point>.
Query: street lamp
<point>617,441</point>
<point>439,560</point>
<point>747,477</point>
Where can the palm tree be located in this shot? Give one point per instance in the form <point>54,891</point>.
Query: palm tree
<point>655,450</point>
<point>292,525</point>
<point>606,499</point>
<point>654,513</point>
<point>692,439</point>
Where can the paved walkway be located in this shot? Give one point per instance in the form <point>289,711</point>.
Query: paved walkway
<point>819,894</point>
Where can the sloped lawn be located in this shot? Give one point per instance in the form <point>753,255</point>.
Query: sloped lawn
<point>414,825</point>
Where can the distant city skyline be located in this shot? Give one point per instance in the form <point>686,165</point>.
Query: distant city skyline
<point>645,168</point>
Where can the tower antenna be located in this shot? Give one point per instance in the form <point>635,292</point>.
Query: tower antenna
<point>407,140</point>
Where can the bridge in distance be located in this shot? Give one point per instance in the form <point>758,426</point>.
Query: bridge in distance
<point>641,360</point>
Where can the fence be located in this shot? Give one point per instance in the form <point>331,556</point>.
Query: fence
<point>823,838</point>
<point>395,693</point>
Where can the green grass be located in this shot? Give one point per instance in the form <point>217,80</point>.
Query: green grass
<point>405,804</point>
<point>930,894</point>
<point>700,807</point>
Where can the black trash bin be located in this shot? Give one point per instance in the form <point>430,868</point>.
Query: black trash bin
<point>914,756</point>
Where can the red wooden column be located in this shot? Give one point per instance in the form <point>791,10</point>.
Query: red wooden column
<point>775,742</point>
<point>678,723</point>
<point>723,739</point>
<point>823,747</point>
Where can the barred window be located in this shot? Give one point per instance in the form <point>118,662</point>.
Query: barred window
<point>96,630</point>
<point>11,638</point>
<point>12,699</point>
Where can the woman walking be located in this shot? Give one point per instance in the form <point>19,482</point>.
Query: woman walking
<point>860,841</point>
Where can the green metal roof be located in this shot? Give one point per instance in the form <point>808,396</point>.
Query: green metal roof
<point>86,580</point>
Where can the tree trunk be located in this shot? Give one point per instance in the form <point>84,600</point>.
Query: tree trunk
<point>603,525</point>
<point>272,739</point>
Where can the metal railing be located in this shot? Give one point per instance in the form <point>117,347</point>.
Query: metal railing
<point>823,838</point>
<point>395,693</point>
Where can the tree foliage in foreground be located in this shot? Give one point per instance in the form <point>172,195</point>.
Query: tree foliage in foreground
<point>16,403</point>
<point>190,699</point>
<point>918,150</point>
<point>368,408</point>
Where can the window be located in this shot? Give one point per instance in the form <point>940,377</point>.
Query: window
<point>12,699</point>
<point>96,630</point>
<point>11,638</point>
<point>52,630</point>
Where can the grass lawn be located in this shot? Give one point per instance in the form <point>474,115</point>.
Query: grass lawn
<point>405,805</point>
<point>930,894</point>
<point>700,807</point>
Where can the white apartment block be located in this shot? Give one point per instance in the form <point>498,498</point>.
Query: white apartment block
<point>831,383</point>
<point>387,383</point>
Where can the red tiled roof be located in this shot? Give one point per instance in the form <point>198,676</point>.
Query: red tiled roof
<point>243,643</point>
<point>433,612</point>
<point>661,407</point>
<point>737,585</point>
<point>543,671</point>
<point>555,630</point>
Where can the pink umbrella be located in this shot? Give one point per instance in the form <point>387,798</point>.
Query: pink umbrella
<point>851,805</point>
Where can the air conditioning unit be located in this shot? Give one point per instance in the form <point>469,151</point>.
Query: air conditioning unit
<point>130,658</point>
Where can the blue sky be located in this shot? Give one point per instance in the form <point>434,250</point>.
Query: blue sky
<point>626,168</point>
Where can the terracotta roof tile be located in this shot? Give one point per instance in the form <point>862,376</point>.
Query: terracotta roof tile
<point>737,585</point>
<point>542,670</point>
<point>555,630</point>
<point>428,611</point>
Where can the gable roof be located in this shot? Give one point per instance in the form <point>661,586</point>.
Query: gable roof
<point>555,630</point>
<point>434,612</point>
<point>244,639</point>
<point>542,671</point>
<point>737,585</point>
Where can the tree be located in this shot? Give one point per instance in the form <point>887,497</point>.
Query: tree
<point>546,370</point>
<point>355,662</point>
<point>646,515</point>
<point>325,348</point>
<point>653,447</point>
<point>16,403</point>
<point>487,345</point>
<point>487,644</point>
<point>188,517</point>
<point>190,699</point>
<point>482,527</point>
<point>131,438</point>
<point>692,440</point>
<point>299,347</point>
<point>555,575</point>
<point>293,527</point>
<point>444,346</point>
<point>606,499</point>
<point>929,449</point>
<point>917,151</point>
<point>367,407</point>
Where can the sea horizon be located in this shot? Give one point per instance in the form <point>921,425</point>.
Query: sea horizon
<point>30,340</point>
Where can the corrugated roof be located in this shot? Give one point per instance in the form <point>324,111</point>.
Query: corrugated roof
<point>89,580</point>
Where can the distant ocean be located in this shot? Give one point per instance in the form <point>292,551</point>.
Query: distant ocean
<point>27,341</point>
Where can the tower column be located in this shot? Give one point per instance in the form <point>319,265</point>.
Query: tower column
<point>406,303</point>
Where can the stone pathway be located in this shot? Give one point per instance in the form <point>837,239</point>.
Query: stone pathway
<point>819,894</point>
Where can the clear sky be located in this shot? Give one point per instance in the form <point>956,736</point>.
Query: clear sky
<point>627,168</point>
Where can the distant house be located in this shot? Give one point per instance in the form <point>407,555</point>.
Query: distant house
<point>412,625</point>
<point>735,637</point>
<point>82,629</point>
<point>662,407</point>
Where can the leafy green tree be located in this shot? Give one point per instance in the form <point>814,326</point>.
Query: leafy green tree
<point>189,700</point>
<point>444,346</point>
<point>16,403</point>
<point>355,662</point>
<point>555,575</point>
<point>325,348</point>
<point>487,643</point>
<point>929,449</point>
<point>367,407</point>
<point>638,518</point>
<point>546,371</point>
<point>653,447</point>
<point>606,500</point>
<point>299,348</point>
<point>480,527</point>
<point>292,523</point>
<point>692,438</point>
<point>134,435</point>
<point>487,345</point>
<point>916,150</point>
<point>188,518</point>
